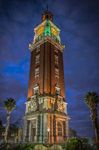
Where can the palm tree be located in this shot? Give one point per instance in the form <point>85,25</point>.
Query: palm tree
<point>92,101</point>
<point>9,105</point>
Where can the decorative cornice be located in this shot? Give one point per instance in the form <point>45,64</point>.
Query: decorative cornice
<point>56,113</point>
<point>32,46</point>
<point>47,96</point>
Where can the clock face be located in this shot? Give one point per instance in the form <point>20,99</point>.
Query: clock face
<point>32,106</point>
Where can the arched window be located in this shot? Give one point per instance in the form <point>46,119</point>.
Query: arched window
<point>59,127</point>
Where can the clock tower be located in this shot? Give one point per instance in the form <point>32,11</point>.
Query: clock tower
<point>46,119</point>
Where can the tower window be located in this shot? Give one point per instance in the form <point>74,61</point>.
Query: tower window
<point>37,60</point>
<point>36,72</point>
<point>57,88</point>
<point>36,89</point>
<point>56,59</point>
<point>56,72</point>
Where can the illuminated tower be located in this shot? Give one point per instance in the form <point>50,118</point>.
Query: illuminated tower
<point>46,118</point>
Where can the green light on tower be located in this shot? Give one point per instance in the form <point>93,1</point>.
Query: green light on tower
<point>47,30</point>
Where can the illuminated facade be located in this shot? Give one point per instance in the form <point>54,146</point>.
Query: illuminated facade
<point>46,119</point>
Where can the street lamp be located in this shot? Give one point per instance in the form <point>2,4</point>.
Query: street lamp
<point>48,130</point>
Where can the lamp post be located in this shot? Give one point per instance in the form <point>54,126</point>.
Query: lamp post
<point>48,130</point>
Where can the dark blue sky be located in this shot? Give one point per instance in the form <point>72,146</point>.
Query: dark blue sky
<point>78,21</point>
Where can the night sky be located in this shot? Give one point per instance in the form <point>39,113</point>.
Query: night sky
<point>78,21</point>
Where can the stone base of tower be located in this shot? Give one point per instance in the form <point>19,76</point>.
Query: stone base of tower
<point>46,128</point>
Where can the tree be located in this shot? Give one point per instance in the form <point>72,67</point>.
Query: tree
<point>9,105</point>
<point>92,101</point>
<point>76,143</point>
<point>73,144</point>
<point>1,129</point>
<point>72,133</point>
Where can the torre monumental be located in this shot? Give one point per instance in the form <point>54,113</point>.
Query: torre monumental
<point>46,119</point>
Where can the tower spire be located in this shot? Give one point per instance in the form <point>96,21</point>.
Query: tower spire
<point>47,7</point>
<point>47,14</point>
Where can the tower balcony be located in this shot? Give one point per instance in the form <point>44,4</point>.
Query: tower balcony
<point>51,39</point>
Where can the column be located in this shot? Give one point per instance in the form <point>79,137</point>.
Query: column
<point>67,128</point>
<point>40,138</point>
<point>45,128</point>
<point>36,129</point>
<point>25,130</point>
<point>54,128</point>
<point>64,130</point>
<point>30,132</point>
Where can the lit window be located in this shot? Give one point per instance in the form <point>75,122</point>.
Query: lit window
<point>36,89</point>
<point>59,128</point>
<point>56,72</point>
<point>57,88</point>
<point>36,72</point>
<point>37,60</point>
<point>56,59</point>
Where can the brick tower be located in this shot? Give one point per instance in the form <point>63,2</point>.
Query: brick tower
<point>46,119</point>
